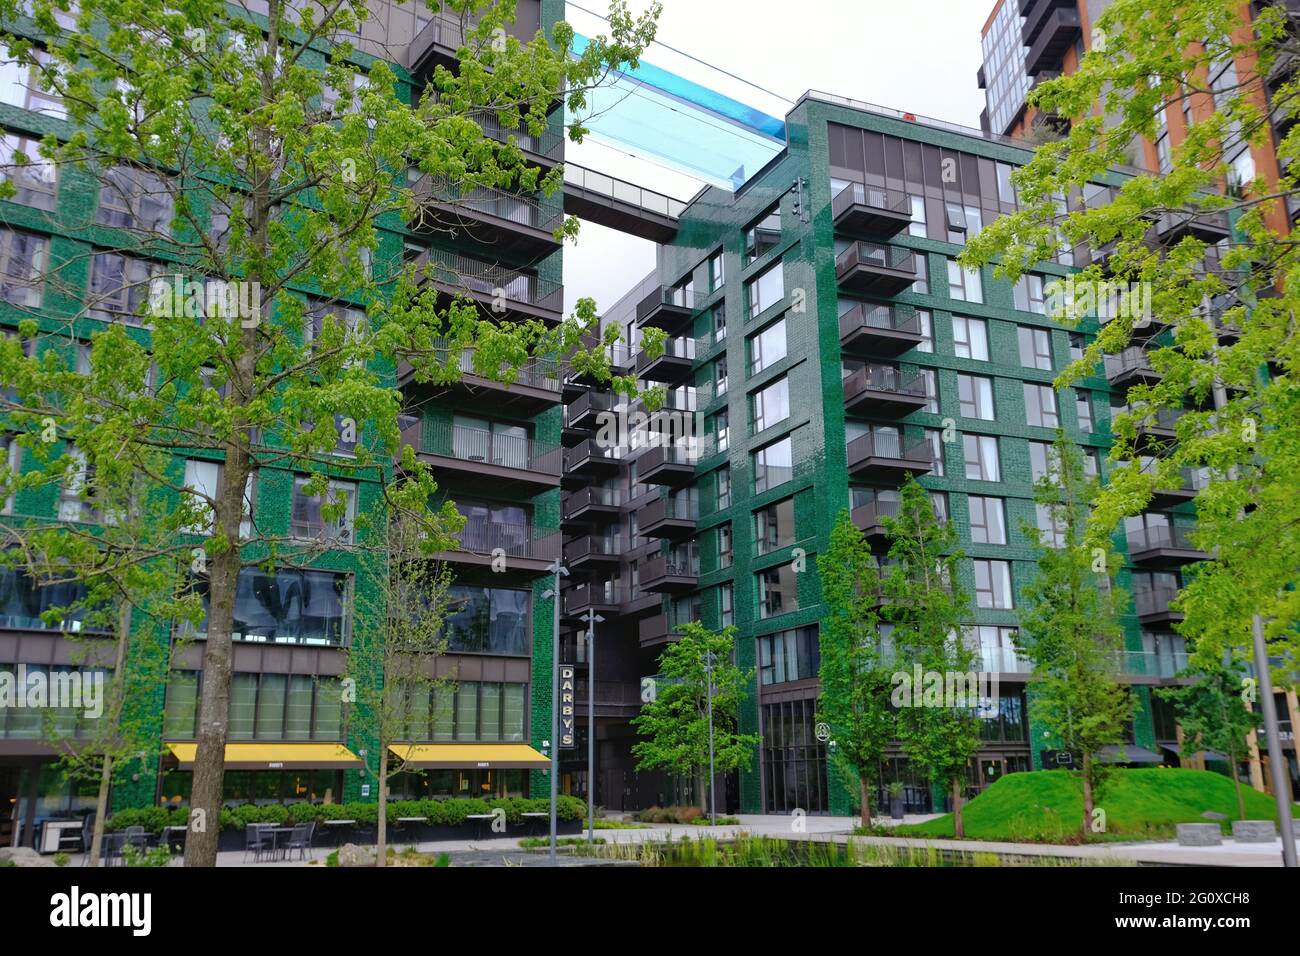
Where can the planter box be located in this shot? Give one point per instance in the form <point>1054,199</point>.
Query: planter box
<point>1254,831</point>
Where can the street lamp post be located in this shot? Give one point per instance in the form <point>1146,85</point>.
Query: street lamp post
<point>708,671</point>
<point>592,620</point>
<point>559,570</point>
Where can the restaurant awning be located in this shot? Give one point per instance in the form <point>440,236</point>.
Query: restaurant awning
<point>471,756</point>
<point>275,756</point>
<point>1210,755</point>
<point>1127,754</point>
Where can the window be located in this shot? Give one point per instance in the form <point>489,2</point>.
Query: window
<point>976,396</point>
<point>777,591</point>
<point>308,521</point>
<point>1028,294</point>
<point>262,707</point>
<point>789,656</point>
<point>203,479</point>
<point>774,527</point>
<point>964,284</point>
<point>767,347</point>
<point>20,86</point>
<point>119,287</point>
<point>722,430</point>
<point>988,524</point>
<point>1078,344</point>
<point>922,284</point>
<point>726,604</point>
<point>723,481</point>
<point>939,505</point>
<point>773,465</point>
<point>1083,405</point>
<point>720,376</point>
<point>719,313</point>
<point>10,458</point>
<point>993,584</point>
<point>466,710</point>
<point>1052,529</point>
<point>765,291</point>
<point>964,222</point>
<point>927,330</point>
<point>997,649</point>
<point>771,404</point>
<point>1006,192</point>
<point>23,259</point>
<point>934,438</point>
<point>76,494</point>
<point>489,621</point>
<point>352,318</point>
<point>762,236</point>
<point>981,458</point>
<point>1035,348</point>
<point>917,226</point>
<point>24,602</point>
<point>970,338</point>
<point>717,275</point>
<point>930,378</point>
<point>286,606</point>
<point>35,179</point>
<point>500,443</point>
<point>726,548</point>
<point>1040,406</point>
<point>133,198</point>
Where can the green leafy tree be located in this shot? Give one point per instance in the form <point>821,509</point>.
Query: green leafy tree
<point>1214,714</point>
<point>855,676</point>
<point>256,164</point>
<point>675,724</point>
<point>927,605</point>
<point>1070,624</point>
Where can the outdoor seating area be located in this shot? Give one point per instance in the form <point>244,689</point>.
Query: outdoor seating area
<point>266,841</point>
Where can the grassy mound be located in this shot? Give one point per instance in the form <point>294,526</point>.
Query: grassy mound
<point>1046,806</point>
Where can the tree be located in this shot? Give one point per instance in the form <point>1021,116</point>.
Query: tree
<point>391,673</point>
<point>856,678</point>
<point>926,605</point>
<point>1070,624</point>
<point>675,724</point>
<point>1214,714</point>
<point>247,261</point>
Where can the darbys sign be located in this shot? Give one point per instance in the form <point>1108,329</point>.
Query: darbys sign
<point>568,725</point>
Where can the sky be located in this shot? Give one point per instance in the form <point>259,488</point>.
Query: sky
<point>917,55</point>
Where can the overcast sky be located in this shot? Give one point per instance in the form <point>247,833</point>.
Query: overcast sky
<point>916,55</point>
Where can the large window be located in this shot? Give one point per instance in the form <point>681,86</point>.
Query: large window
<point>976,396</point>
<point>119,287</point>
<point>24,603</point>
<point>771,405</point>
<point>763,236</point>
<point>767,347</point>
<point>774,526</point>
<point>34,723</point>
<point>35,180</point>
<point>982,457</point>
<point>1028,294</point>
<point>993,584</point>
<point>1051,526</point>
<point>492,525</point>
<point>722,484</point>
<point>773,465</point>
<point>287,606</point>
<point>964,284</point>
<point>500,443</point>
<point>1040,406</point>
<point>778,591</point>
<point>970,338</point>
<point>794,760</point>
<point>262,707</point>
<point>308,520</point>
<point>1035,348</point>
<point>717,271</point>
<point>988,523</point>
<point>20,86</point>
<point>788,656</point>
<point>765,291</point>
<point>23,260</point>
<point>489,621</point>
<point>202,481</point>
<point>468,710</point>
<point>131,198</point>
<point>726,547</point>
<point>726,604</point>
<point>10,458</point>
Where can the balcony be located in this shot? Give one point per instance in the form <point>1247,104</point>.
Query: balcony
<point>1050,29</point>
<point>529,389</point>
<point>508,222</point>
<point>1163,545</point>
<point>1002,660</point>
<point>883,390</point>
<point>436,44</point>
<point>676,361</point>
<point>869,267</point>
<point>1158,429</point>
<point>658,630</point>
<point>505,460</point>
<point>1208,227</point>
<point>593,551</point>
<point>1190,486</point>
<point>879,329</point>
<point>1152,666</point>
<point>545,150</point>
<point>663,574</point>
<point>1152,605</point>
<point>601,598</point>
<point>670,518</point>
<point>482,542</point>
<point>586,410</point>
<point>1130,367</point>
<point>592,504</point>
<point>666,308</point>
<point>589,459</point>
<point>871,210</point>
<point>883,456</point>
<point>672,465</point>
<point>868,518</point>
<point>501,294</point>
<point>611,698</point>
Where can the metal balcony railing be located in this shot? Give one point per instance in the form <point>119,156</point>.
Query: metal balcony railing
<point>624,192</point>
<point>1002,660</point>
<point>590,450</point>
<point>887,445</point>
<point>482,536</point>
<point>875,254</point>
<point>511,207</point>
<point>480,445</point>
<point>1160,536</point>
<point>1154,600</point>
<point>863,315</point>
<point>608,693</point>
<point>877,197</point>
<point>884,378</point>
<point>485,278</point>
<point>548,144</point>
<point>1162,664</point>
<point>594,546</point>
<point>664,567</point>
<point>592,495</point>
<point>1130,360</point>
<point>661,509</point>
<point>535,373</point>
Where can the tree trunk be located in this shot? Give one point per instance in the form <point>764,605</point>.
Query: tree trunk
<point>101,810</point>
<point>958,826</point>
<point>1236,785</point>
<point>115,709</point>
<point>1087,793</point>
<point>381,829</point>
<point>864,788</point>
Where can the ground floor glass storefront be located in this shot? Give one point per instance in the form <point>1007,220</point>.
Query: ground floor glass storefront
<point>258,786</point>
<point>464,784</point>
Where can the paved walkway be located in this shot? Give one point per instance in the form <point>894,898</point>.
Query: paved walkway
<point>505,851</point>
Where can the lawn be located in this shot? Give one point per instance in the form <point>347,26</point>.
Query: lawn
<point>1046,806</point>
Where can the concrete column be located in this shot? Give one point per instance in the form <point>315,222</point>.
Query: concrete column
<point>1256,770</point>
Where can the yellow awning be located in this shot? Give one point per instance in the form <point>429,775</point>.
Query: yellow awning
<point>275,756</point>
<point>470,756</point>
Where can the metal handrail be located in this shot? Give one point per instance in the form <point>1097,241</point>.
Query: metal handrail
<point>877,197</point>
<point>485,278</point>
<point>861,315</point>
<point>875,254</point>
<point>622,191</point>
